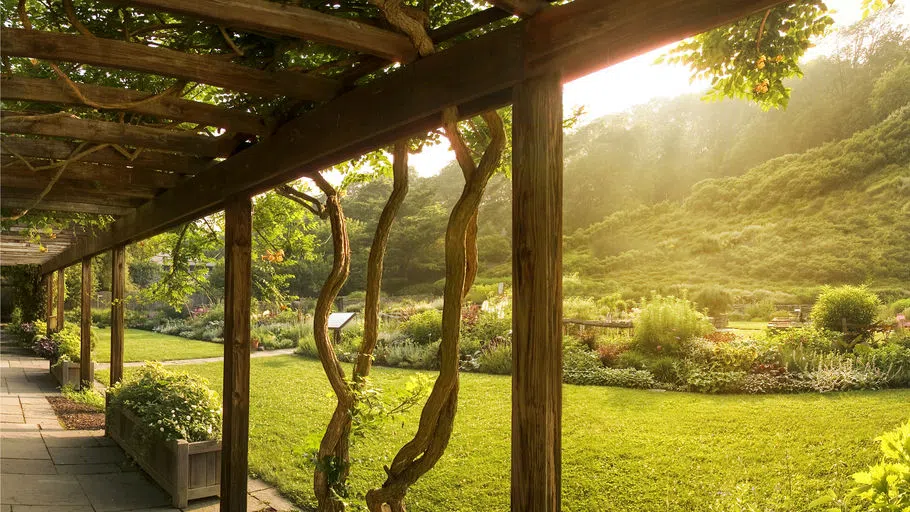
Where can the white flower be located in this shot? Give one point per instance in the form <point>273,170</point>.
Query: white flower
<point>161,429</point>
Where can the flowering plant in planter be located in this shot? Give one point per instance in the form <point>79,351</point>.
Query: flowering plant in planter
<point>168,405</point>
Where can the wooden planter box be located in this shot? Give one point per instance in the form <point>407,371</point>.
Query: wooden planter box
<point>67,373</point>
<point>187,471</point>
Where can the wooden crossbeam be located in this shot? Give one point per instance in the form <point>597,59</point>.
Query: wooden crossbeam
<point>522,8</point>
<point>76,197</point>
<point>106,174</point>
<point>26,182</point>
<point>117,133</point>
<point>162,61</point>
<point>571,40</point>
<point>15,203</point>
<point>60,150</point>
<point>169,107</point>
<point>290,20</point>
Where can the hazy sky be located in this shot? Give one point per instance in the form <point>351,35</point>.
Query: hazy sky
<point>629,83</point>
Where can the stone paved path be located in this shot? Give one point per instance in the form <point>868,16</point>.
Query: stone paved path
<point>45,468</point>
<point>203,360</point>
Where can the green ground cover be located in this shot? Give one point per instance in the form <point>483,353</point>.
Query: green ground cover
<point>623,449</point>
<point>140,345</point>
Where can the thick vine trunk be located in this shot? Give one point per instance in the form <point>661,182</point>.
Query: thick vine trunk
<point>437,418</point>
<point>333,460</point>
<point>375,261</point>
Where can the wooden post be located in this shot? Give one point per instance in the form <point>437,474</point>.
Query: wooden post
<point>86,377</point>
<point>537,294</point>
<point>49,302</point>
<point>61,294</point>
<point>118,284</point>
<point>236,392</point>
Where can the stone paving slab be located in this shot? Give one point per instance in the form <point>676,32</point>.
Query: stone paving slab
<point>83,455</point>
<point>122,491</point>
<point>45,490</point>
<point>27,467</point>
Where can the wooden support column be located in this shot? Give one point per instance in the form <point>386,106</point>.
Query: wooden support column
<point>118,284</point>
<point>61,295</point>
<point>86,376</point>
<point>537,169</point>
<point>49,302</point>
<point>236,392</point>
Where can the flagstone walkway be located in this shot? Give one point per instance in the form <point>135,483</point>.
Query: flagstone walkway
<point>45,468</point>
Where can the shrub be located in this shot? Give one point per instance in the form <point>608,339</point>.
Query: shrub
<point>854,304</point>
<point>306,346</point>
<point>666,324</point>
<point>489,327</point>
<point>169,405</point>
<point>811,338</point>
<point>893,359</point>
<point>715,299</point>
<point>599,376</point>
<point>425,327</point>
<point>712,381</point>
<point>609,353</point>
<point>64,344</point>
<point>760,311</point>
<point>101,317</point>
<point>576,358</point>
<point>497,359</point>
<point>664,369</point>
<point>632,359</point>
<point>885,486</point>
<point>412,355</point>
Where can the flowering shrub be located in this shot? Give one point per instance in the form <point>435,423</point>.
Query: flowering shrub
<point>65,344</point>
<point>169,405</point>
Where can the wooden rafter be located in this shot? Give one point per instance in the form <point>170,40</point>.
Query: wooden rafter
<point>26,182</point>
<point>288,20</point>
<point>522,8</point>
<point>77,196</point>
<point>162,61</point>
<point>75,206</point>
<point>571,40</point>
<point>80,171</point>
<point>117,133</point>
<point>169,107</point>
<point>60,150</point>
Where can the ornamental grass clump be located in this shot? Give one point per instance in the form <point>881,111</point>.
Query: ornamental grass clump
<point>168,405</point>
<point>665,324</point>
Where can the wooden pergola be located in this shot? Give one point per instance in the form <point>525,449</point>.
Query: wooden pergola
<point>177,176</point>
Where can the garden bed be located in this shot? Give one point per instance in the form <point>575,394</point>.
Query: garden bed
<point>76,416</point>
<point>67,373</point>
<point>185,470</point>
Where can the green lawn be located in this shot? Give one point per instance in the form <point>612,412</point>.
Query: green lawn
<point>623,450</point>
<point>748,326</point>
<point>142,345</point>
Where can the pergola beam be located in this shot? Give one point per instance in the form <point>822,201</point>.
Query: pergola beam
<point>570,40</point>
<point>81,171</point>
<point>288,20</point>
<point>521,8</point>
<point>169,107</point>
<point>117,133</point>
<point>96,208</point>
<point>207,69</point>
<point>61,150</point>
<point>24,182</point>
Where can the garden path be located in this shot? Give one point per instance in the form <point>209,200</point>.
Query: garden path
<point>202,360</point>
<point>46,468</point>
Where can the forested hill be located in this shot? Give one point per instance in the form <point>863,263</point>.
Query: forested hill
<point>839,213</point>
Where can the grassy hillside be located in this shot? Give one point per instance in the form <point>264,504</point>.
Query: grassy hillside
<point>839,213</point>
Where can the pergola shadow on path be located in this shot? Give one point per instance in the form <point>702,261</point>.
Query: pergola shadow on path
<point>172,176</point>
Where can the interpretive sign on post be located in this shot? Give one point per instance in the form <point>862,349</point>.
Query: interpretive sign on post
<point>337,321</point>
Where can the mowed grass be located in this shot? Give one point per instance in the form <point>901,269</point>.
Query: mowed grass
<point>139,345</point>
<point>623,449</point>
<point>747,326</point>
